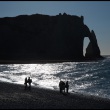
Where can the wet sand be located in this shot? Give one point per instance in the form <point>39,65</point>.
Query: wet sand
<point>13,96</point>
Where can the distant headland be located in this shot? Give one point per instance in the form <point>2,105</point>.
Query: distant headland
<point>46,38</point>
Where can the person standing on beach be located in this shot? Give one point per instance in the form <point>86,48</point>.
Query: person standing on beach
<point>67,86</point>
<point>61,86</point>
<point>29,81</point>
<point>25,83</point>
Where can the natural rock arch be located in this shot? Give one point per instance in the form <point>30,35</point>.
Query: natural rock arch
<point>43,37</point>
<point>92,50</point>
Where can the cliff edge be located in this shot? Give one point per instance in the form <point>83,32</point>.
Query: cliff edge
<point>44,37</point>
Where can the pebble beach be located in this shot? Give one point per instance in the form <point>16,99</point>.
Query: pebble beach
<point>13,96</point>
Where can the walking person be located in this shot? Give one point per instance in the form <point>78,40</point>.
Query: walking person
<point>67,86</point>
<point>25,83</point>
<point>60,83</point>
<point>61,86</point>
<point>29,82</point>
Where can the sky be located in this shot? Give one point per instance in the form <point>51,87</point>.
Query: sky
<point>96,15</point>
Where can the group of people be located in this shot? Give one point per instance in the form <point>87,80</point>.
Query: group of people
<point>27,83</point>
<point>63,86</point>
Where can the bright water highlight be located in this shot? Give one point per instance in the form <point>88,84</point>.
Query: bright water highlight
<point>91,78</point>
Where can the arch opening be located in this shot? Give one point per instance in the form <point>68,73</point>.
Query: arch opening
<point>85,44</point>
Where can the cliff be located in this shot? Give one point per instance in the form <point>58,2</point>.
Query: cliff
<point>44,37</point>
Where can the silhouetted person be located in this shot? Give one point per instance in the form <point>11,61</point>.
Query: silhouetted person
<point>25,83</point>
<point>67,86</point>
<point>61,86</point>
<point>29,82</point>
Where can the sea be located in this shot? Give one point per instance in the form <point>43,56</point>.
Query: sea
<point>88,78</point>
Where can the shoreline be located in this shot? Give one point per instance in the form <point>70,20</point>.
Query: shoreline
<point>29,61</point>
<point>13,96</point>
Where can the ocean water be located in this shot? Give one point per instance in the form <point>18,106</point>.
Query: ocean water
<point>90,78</point>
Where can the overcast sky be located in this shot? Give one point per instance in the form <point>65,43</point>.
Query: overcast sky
<point>96,15</point>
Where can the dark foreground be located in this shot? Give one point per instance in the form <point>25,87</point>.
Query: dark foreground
<point>15,97</point>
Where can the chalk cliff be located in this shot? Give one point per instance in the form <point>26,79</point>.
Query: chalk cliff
<point>92,50</point>
<point>44,37</point>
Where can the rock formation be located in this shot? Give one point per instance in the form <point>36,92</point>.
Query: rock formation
<point>43,37</point>
<point>92,51</point>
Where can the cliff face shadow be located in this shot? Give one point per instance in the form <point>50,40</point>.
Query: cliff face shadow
<point>44,37</point>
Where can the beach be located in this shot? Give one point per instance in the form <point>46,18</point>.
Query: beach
<point>14,96</point>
